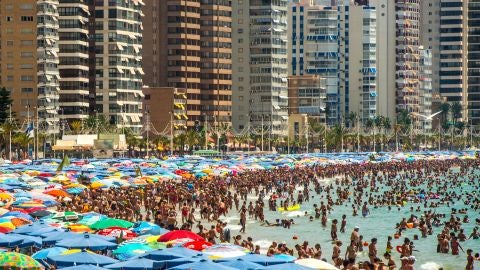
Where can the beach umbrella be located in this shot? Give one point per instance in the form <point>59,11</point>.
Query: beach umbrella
<point>256,258</point>
<point>180,261</point>
<point>84,267</point>
<point>10,240</point>
<point>44,253</point>
<point>136,264</point>
<point>111,222</point>
<point>288,266</point>
<point>41,231</point>
<point>142,228</point>
<point>86,241</point>
<point>197,245</point>
<point>90,218</point>
<point>28,241</point>
<point>6,225</point>
<point>225,251</point>
<point>79,228</point>
<point>202,265</point>
<point>5,196</point>
<point>82,257</point>
<point>170,254</point>
<point>315,264</point>
<point>118,232</point>
<point>130,250</point>
<point>239,263</point>
<point>13,260</point>
<point>179,234</point>
<point>285,257</point>
<point>18,215</point>
<point>31,227</point>
<point>40,213</point>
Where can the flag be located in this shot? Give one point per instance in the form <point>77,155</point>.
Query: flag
<point>65,162</point>
<point>138,172</point>
<point>30,131</point>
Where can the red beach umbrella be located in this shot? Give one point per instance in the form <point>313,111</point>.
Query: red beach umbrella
<point>198,245</point>
<point>180,234</point>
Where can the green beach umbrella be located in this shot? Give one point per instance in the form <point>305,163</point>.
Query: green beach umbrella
<point>13,260</point>
<point>111,222</point>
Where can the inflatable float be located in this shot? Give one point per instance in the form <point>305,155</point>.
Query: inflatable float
<point>294,207</point>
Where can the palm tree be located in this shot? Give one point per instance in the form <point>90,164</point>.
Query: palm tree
<point>76,127</point>
<point>370,124</point>
<point>23,140</point>
<point>396,130</point>
<point>445,108</point>
<point>191,139</point>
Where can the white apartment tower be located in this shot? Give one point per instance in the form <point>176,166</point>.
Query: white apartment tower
<point>48,77</point>
<point>358,60</point>
<point>313,48</point>
<point>260,89</point>
<point>118,45</point>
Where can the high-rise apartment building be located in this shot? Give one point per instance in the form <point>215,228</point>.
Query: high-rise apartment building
<point>425,78</point>
<point>47,66</point>
<point>50,62</point>
<point>430,36</point>
<point>473,60</point>
<point>358,60</point>
<point>187,45</point>
<point>313,48</point>
<point>18,54</point>
<point>260,66</point>
<point>74,58</point>
<point>118,55</point>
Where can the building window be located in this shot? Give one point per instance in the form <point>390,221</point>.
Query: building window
<point>240,50</point>
<point>26,31</point>
<point>240,79</point>
<point>26,66</point>
<point>26,54</point>
<point>26,42</point>
<point>26,78</point>
<point>9,19</point>
<point>9,78</point>
<point>147,97</point>
<point>240,30</point>
<point>240,88</point>
<point>9,42</point>
<point>26,7</point>
<point>240,21</point>
<point>9,31</point>
<point>9,66</point>
<point>27,90</point>
<point>26,18</point>
<point>9,7</point>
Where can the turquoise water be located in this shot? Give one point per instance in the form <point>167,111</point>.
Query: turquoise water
<point>380,223</point>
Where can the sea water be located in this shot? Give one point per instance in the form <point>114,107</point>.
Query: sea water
<point>380,224</point>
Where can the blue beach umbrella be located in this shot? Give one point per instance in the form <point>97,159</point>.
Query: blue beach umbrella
<point>31,227</point>
<point>17,214</point>
<point>288,266</point>
<point>84,267</point>
<point>285,257</point>
<point>93,243</point>
<point>83,257</point>
<point>180,261</point>
<point>142,228</point>
<point>41,232</point>
<point>202,265</point>
<point>44,253</point>
<point>258,259</point>
<point>130,250</point>
<point>170,254</point>
<point>241,264</point>
<point>10,240</point>
<point>137,264</point>
<point>28,241</point>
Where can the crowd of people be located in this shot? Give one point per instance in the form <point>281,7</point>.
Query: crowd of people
<point>200,205</point>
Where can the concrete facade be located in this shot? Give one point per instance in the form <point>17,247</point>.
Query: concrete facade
<point>260,66</point>
<point>188,45</point>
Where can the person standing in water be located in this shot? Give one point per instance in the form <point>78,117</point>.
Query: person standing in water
<point>365,210</point>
